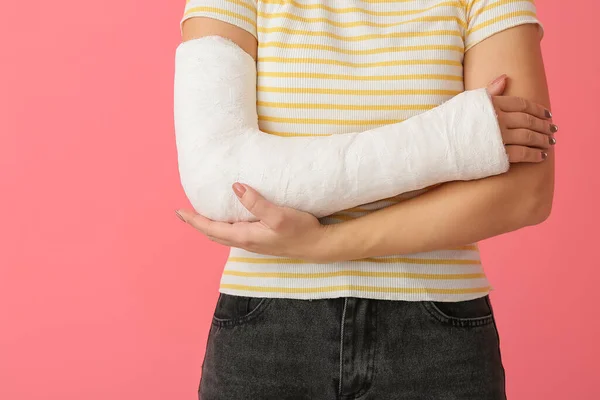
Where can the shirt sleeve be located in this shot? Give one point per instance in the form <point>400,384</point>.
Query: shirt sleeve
<point>241,13</point>
<point>488,17</point>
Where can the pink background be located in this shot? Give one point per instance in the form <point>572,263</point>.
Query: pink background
<point>105,294</point>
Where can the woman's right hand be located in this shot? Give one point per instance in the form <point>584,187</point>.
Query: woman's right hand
<point>526,127</point>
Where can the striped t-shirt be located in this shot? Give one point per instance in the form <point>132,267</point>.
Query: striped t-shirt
<point>332,67</point>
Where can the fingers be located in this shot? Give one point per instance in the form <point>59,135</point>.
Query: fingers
<point>529,138</point>
<point>527,129</point>
<point>221,241</point>
<point>519,104</point>
<point>221,232</point>
<point>517,154</point>
<point>211,228</point>
<point>519,120</point>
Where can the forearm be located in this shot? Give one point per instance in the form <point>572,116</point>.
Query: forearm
<point>219,143</point>
<point>453,214</point>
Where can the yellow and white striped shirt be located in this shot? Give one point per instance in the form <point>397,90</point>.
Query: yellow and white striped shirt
<point>332,67</point>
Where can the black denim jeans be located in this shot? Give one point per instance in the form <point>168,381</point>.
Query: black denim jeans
<point>351,348</point>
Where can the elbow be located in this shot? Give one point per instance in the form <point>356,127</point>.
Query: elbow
<point>207,169</point>
<point>207,183</point>
<point>541,200</point>
<point>542,210</point>
<point>207,190</point>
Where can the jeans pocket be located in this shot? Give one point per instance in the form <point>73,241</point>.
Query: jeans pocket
<point>234,310</point>
<point>466,313</point>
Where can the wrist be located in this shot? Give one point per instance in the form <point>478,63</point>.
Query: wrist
<point>322,251</point>
<point>478,140</point>
<point>337,243</point>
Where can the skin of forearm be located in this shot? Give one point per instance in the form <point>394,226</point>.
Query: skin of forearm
<point>461,212</point>
<point>453,214</point>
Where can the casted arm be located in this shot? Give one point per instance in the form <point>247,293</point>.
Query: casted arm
<point>219,141</point>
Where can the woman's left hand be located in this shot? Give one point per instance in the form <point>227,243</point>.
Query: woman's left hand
<point>281,231</point>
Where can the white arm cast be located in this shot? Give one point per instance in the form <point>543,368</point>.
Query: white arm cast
<point>219,143</point>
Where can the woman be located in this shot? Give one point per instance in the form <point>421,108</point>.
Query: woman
<point>398,301</point>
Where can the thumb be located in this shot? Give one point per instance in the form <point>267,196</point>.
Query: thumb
<point>497,86</point>
<point>269,214</point>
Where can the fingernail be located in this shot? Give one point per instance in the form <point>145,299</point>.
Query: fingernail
<point>548,114</point>
<point>552,141</point>
<point>498,79</point>
<point>179,215</point>
<point>553,128</point>
<point>544,155</point>
<point>239,189</point>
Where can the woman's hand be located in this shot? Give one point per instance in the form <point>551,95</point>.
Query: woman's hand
<point>526,126</point>
<point>281,231</point>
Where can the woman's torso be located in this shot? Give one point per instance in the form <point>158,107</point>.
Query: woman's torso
<point>346,66</point>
